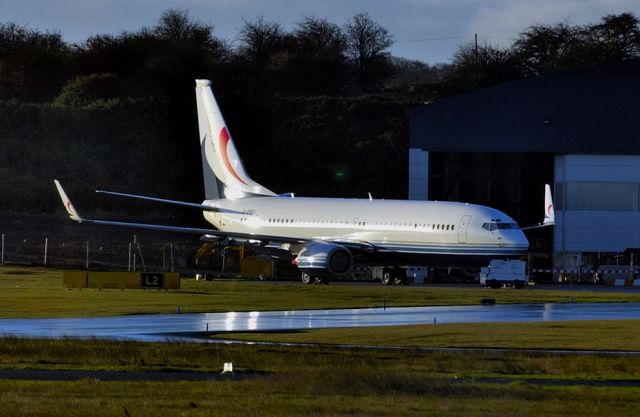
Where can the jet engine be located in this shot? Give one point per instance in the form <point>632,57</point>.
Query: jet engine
<point>322,259</point>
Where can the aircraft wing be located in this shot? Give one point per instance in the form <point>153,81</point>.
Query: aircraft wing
<point>74,215</point>
<point>207,233</point>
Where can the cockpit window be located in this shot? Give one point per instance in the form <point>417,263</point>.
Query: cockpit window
<point>491,226</point>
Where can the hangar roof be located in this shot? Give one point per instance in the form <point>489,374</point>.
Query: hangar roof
<point>591,110</point>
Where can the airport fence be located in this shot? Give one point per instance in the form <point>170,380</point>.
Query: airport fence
<point>102,253</point>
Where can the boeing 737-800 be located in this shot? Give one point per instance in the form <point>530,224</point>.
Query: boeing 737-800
<point>329,235</point>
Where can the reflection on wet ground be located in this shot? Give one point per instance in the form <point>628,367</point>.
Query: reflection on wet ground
<point>160,327</point>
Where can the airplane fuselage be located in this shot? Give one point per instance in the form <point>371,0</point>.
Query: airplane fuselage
<point>438,232</point>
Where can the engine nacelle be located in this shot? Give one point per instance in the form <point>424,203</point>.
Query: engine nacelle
<point>325,260</point>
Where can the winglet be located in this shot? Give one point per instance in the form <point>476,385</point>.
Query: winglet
<point>73,214</point>
<point>549,213</point>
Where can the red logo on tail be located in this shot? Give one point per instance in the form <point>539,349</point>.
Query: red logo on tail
<point>224,142</point>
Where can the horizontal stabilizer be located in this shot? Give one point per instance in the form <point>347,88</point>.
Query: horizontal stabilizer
<point>159,200</point>
<point>202,207</point>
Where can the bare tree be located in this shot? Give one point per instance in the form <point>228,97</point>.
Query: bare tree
<point>32,64</point>
<point>481,65</point>
<point>618,36</point>
<point>545,48</point>
<point>318,60</point>
<point>367,42</point>
<point>177,27</point>
<point>260,41</point>
<point>320,38</point>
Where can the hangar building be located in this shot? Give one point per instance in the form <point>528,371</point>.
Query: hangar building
<point>578,130</point>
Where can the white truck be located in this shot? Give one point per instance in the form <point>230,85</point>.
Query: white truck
<point>501,273</point>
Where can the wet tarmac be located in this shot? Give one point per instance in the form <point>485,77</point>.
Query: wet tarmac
<point>166,327</point>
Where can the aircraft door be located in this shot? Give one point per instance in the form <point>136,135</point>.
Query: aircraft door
<point>462,229</point>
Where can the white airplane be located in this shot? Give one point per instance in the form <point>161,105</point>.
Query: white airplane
<point>329,235</point>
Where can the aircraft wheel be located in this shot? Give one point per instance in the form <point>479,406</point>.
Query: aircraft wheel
<point>306,278</point>
<point>321,280</point>
<point>386,278</point>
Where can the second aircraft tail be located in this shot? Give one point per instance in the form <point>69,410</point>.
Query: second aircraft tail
<point>549,212</point>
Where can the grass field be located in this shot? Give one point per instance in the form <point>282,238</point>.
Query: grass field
<point>27,292</point>
<point>316,381</point>
<point>325,380</point>
<point>607,335</point>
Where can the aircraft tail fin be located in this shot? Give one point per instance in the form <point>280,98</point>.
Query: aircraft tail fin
<point>549,212</point>
<point>224,174</point>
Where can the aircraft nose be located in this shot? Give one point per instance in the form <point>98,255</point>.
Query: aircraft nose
<point>514,238</point>
<point>521,239</point>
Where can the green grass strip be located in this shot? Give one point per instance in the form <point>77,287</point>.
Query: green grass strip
<point>29,292</point>
<point>607,335</point>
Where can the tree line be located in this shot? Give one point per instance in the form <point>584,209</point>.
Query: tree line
<point>317,56</point>
<point>320,109</point>
<point>541,49</point>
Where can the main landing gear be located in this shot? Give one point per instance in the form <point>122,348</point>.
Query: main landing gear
<point>394,276</point>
